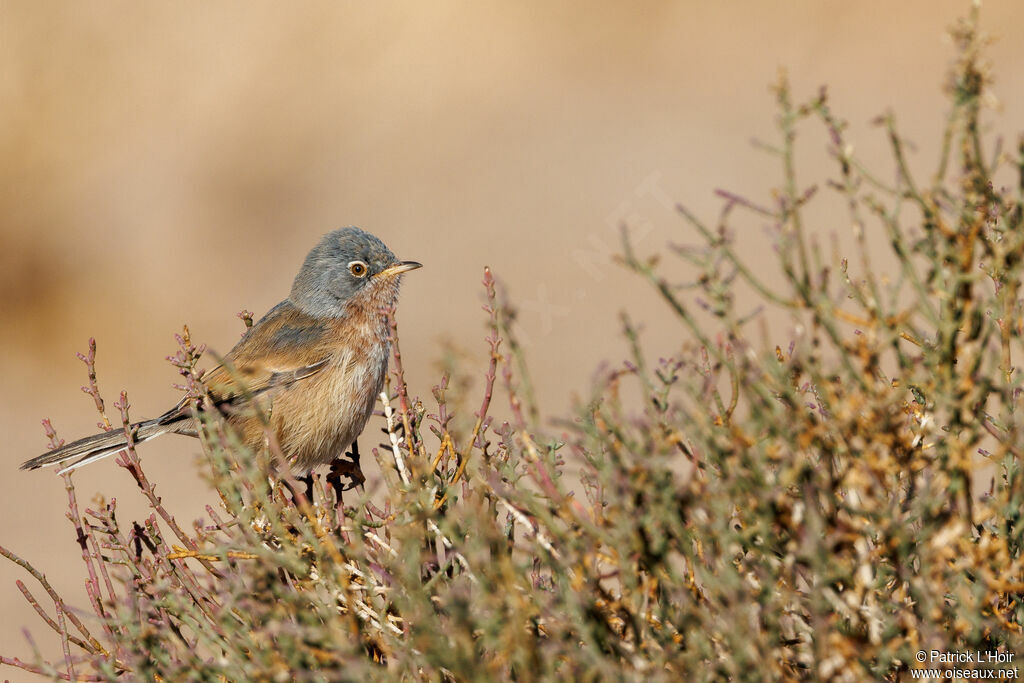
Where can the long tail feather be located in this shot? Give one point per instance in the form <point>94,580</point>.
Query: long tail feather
<point>97,446</point>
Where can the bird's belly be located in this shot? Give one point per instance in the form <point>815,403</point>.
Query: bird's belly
<point>317,419</point>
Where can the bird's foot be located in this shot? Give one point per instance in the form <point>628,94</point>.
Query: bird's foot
<point>346,466</point>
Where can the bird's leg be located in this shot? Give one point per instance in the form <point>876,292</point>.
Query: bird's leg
<point>307,481</point>
<point>307,484</point>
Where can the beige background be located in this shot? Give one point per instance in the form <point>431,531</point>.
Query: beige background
<point>165,164</point>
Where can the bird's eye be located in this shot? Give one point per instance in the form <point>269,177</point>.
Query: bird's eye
<point>358,269</point>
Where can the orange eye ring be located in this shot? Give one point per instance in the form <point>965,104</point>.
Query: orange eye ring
<point>358,269</point>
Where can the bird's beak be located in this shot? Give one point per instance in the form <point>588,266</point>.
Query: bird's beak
<point>399,268</point>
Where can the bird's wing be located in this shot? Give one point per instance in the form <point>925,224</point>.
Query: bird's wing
<point>286,346</point>
<point>230,387</point>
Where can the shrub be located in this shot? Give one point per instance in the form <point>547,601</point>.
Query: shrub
<point>825,508</point>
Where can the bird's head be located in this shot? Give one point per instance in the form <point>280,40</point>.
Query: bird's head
<point>348,267</point>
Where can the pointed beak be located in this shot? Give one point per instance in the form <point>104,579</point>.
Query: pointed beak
<point>399,268</point>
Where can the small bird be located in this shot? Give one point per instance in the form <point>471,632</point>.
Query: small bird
<point>314,364</point>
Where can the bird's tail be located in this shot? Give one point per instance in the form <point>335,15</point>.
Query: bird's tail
<point>92,448</point>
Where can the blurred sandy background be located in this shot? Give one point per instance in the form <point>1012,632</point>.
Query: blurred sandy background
<point>173,164</point>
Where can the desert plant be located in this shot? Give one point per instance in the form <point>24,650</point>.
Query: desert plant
<point>810,509</point>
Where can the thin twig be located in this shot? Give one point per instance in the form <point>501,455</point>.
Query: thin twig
<point>97,647</point>
<point>70,667</point>
<point>403,472</point>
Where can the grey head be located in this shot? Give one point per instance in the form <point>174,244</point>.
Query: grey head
<point>347,265</point>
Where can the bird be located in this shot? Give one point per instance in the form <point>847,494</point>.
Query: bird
<point>314,364</point>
